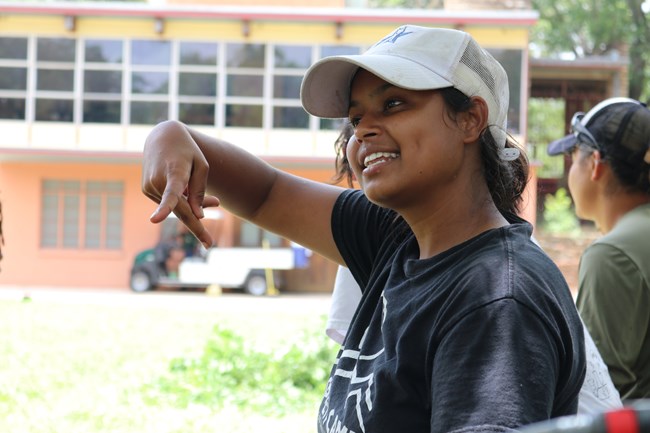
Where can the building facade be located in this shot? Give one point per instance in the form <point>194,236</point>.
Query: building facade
<point>82,84</point>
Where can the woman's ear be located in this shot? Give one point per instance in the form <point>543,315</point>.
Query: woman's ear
<point>474,120</point>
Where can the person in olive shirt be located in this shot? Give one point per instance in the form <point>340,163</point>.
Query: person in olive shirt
<point>609,181</point>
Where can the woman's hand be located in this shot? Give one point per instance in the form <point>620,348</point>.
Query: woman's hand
<point>174,175</point>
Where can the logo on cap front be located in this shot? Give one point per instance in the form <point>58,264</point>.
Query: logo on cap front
<point>393,37</point>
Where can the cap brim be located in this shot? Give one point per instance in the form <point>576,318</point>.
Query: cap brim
<point>325,90</point>
<point>562,145</point>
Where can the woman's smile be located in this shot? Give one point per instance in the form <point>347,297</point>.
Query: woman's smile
<point>378,158</point>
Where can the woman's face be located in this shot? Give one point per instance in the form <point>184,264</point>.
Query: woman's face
<point>407,149</point>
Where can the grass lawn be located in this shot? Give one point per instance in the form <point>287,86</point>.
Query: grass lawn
<point>80,367</point>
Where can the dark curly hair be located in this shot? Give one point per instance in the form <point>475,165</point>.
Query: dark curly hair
<point>341,164</point>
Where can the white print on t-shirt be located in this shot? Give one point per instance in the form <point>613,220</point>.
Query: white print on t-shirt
<point>360,385</point>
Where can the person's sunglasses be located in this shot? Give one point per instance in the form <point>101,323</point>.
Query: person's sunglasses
<point>582,133</point>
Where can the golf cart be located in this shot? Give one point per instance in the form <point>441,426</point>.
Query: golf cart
<point>255,266</point>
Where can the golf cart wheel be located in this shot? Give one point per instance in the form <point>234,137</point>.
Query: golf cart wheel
<point>141,281</point>
<point>256,283</point>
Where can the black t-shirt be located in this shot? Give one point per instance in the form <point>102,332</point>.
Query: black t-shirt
<point>483,337</point>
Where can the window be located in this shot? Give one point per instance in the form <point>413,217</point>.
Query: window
<point>13,48</point>
<point>54,110</point>
<point>82,215</point>
<point>339,50</point>
<point>241,115</point>
<point>198,53</point>
<point>102,81</point>
<point>12,108</point>
<point>13,77</point>
<point>55,79</point>
<point>58,50</point>
<point>150,81</point>
<point>148,113</point>
<point>244,93</point>
<point>197,82</point>
<point>103,51</point>
<point>290,117</point>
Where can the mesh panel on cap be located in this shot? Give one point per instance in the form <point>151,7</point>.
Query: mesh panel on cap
<point>472,58</point>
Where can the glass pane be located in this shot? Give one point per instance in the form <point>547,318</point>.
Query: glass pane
<point>94,187</point>
<point>102,111</point>
<point>198,53</point>
<point>286,87</point>
<point>55,79</point>
<point>103,82</point>
<point>12,108</point>
<point>332,124</point>
<point>145,52</point>
<point>338,50</point>
<point>71,187</point>
<point>191,84</point>
<point>292,56</point>
<point>114,187</point>
<point>245,85</point>
<point>103,51</point>
<point>244,115</point>
<point>54,110</point>
<point>290,117</point>
<point>511,60</point>
<point>151,83</point>
<point>13,48</point>
<point>55,50</point>
<point>51,186</point>
<point>70,221</point>
<point>196,114</point>
<point>148,113</point>
<point>13,78</point>
<point>92,235</point>
<point>49,218</point>
<point>245,55</point>
<point>114,222</point>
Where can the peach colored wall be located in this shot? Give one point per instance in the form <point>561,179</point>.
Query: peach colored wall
<point>26,263</point>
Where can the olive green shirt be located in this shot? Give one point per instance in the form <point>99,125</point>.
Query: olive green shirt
<point>614,301</point>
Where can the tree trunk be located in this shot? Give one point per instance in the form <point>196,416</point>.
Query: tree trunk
<point>638,48</point>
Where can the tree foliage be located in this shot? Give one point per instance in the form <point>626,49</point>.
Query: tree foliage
<point>581,27</point>
<point>597,27</point>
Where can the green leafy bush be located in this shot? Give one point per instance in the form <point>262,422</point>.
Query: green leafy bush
<point>232,373</point>
<point>559,217</point>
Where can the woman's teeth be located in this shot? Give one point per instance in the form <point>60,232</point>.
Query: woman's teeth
<point>377,157</point>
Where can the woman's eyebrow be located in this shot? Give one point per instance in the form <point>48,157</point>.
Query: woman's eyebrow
<point>378,91</point>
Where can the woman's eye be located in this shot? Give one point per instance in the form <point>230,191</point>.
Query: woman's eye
<point>392,103</point>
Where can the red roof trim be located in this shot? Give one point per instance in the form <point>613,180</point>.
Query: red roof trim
<point>482,17</point>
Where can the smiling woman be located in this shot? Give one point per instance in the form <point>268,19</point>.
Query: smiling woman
<point>464,323</point>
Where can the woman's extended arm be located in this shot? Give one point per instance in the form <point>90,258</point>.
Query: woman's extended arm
<point>181,166</point>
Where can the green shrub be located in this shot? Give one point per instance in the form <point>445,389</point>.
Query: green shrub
<point>231,373</point>
<point>559,217</point>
